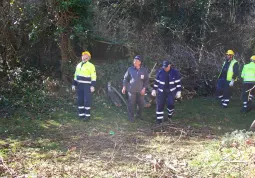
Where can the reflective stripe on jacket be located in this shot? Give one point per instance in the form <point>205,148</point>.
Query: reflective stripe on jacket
<point>174,80</point>
<point>248,72</point>
<point>85,73</point>
<point>230,72</point>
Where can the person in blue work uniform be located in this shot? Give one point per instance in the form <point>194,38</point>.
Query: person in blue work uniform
<point>84,81</point>
<point>227,77</point>
<point>167,87</point>
<point>248,76</point>
<point>135,82</point>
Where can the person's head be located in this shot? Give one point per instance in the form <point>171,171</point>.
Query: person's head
<point>252,58</point>
<point>137,61</point>
<point>85,56</point>
<point>230,54</point>
<point>166,65</point>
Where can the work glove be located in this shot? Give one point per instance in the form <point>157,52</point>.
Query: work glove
<point>178,95</point>
<point>153,93</point>
<point>231,83</point>
<point>142,92</point>
<point>73,88</point>
<point>123,90</point>
<point>92,89</point>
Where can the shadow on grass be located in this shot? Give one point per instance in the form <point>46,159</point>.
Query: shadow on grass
<point>108,141</point>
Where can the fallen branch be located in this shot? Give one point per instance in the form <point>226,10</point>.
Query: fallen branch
<point>121,97</point>
<point>152,70</point>
<point>115,151</point>
<point>178,138</point>
<point>222,160</point>
<point>172,168</point>
<point>79,165</point>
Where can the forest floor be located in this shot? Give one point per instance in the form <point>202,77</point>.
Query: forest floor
<point>41,136</point>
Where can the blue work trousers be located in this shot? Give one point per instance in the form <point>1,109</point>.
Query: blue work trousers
<point>223,91</point>
<point>247,94</point>
<point>162,98</point>
<point>84,100</point>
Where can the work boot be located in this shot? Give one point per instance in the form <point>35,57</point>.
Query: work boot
<point>158,121</point>
<point>169,118</point>
<point>223,106</point>
<point>86,119</point>
<point>131,119</point>
<point>139,117</point>
<point>245,110</point>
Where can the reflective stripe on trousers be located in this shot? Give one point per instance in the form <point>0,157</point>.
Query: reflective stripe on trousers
<point>223,91</point>
<point>247,96</point>
<point>162,98</point>
<point>84,100</point>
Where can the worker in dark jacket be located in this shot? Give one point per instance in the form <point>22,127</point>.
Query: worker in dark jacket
<point>167,87</point>
<point>227,77</point>
<point>84,81</point>
<point>135,81</point>
<point>248,76</point>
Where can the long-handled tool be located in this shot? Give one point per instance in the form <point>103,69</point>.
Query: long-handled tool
<point>251,88</point>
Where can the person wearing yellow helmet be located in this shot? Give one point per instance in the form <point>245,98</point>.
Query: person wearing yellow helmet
<point>84,81</point>
<point>230,52</point>
<point>227,77</point>
<point>248,76</point>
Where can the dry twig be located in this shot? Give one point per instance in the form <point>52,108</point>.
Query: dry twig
<point>10,171</point>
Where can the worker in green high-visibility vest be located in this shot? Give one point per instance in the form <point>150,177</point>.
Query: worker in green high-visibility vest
<point>227,77</point>
<point>248,76</point>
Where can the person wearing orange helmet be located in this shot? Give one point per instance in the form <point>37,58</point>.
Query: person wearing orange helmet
<point>227,77</point>
<point>84,81</point>
<point>248,76</point>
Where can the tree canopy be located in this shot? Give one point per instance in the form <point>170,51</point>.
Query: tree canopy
<point>50,35</point>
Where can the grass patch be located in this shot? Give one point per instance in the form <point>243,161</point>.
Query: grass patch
<point>43,137</point>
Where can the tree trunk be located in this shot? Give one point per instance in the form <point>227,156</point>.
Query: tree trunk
<point>204,30</point>
<point>3,64</point>
<point>64,56</point>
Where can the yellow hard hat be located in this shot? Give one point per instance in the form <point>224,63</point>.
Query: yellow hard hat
<point>86,52</point>
<point>230,52</point>
<point>253,57</point>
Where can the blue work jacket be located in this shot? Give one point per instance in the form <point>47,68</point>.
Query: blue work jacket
<point>172,77</point>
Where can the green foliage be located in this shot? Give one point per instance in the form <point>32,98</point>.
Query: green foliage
<point>113,72</point>
<point>78,12</point>
<point>32,33</point>
<point>237,136</point>
<point>216,157</point>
